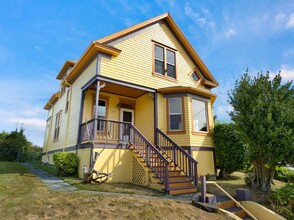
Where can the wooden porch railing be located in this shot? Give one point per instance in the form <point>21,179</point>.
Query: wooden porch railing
<point>178,155</point>
<point>110,130</point>
<point>154,159</point>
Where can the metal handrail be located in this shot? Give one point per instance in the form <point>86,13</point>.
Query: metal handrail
<point>232,198</point>
<point>183,160</point>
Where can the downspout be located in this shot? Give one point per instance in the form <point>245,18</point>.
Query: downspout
<point>68,113</point>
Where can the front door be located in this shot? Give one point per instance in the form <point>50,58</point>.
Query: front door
<point>126,115</point>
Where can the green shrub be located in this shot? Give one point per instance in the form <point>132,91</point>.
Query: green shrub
<point>229,150</point>
<point>66,163</point>
<point>282,201</point>
<point>284,174</point>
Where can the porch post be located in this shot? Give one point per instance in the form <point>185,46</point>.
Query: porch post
<point>81,115</point>
<point>96,110</point>
<point>155,118</point>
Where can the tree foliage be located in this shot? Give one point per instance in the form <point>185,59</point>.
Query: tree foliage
<point>15,146</point>
<point>264,116</point>
<point>229,151</point>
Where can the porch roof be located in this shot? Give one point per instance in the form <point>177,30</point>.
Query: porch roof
<point>192,90</point>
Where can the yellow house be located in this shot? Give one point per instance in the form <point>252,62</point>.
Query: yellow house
<point>144,96</point>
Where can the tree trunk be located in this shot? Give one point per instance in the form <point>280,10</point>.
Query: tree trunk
<point>262,176</point>
<point>223,174</point>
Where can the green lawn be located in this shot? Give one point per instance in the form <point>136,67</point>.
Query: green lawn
<point>24,196</point>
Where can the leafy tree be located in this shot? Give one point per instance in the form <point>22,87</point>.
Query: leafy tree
<point>264,116</point>
<point>229,151</point>
<point>15,144</point>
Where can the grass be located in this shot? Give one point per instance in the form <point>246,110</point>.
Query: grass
<point>24,196</point>
<point>236,180</point>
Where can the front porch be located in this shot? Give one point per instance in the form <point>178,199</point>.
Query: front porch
<point>116,104</point>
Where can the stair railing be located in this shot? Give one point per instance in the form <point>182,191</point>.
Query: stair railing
<point>177,155</point>
<point>154,159</point>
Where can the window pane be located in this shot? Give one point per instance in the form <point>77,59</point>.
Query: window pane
<point>175,105</point>
<point>170,57</point>
<point>199,115</point>
<point>159,67</point>
<point>195,77</point>
<point>171,71</point>
<point>101,108</point>
<point>175,122</point>
<point>159,53</point>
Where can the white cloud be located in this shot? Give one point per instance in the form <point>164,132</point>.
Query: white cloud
<point>229,33</point>
<point>287,73</point>
<point>221,111</point>
<point>21,102</point>
<point>203,19</point>
<point>290,22</point>
<point>283,20</point>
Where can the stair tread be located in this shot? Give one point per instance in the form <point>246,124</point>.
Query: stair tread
<point>234,209</point>
<point>182,187</point>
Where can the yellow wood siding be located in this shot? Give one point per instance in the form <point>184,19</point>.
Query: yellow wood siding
<point>134,64</point>
<point>144,116</point>
<point>87,74</point>
<point>205,162</point>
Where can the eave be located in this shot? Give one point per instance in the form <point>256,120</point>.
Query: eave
<point>178,33</point>
<point>192,90</point>
<point>65,67</point>
<point>93,49</point>
<point>52,101</point>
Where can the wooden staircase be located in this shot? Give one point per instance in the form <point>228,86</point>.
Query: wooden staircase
<point>230,206</point>
<point>178,181</point>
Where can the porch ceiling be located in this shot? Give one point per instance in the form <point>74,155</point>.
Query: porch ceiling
<point>122,90</point>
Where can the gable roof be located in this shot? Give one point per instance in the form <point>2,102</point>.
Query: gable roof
<point>92,49</point>
<point>166,17</point>
<point>66,65</point>
<point>101,46</point>
<point>52,100</point>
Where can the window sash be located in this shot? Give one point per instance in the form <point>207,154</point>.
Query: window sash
<point>67,100</point>
<point>57,126</point>
<point>200,119</point>
<point>164,61</point>
<point>175,114</point>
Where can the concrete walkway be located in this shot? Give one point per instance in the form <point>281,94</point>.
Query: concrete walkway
<point>52,182</point>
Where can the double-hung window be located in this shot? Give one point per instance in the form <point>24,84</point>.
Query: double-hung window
<point>67,100</point>
<point>199,111</point>
<point>175,114</point>
<point>57,125</point>
<point>164,61</point>
<point>101,114</point>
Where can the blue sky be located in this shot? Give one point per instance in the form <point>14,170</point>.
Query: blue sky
<point>36,37</point>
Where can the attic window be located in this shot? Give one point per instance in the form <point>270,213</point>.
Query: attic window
<point>164,61</point>
<point>195,77</point>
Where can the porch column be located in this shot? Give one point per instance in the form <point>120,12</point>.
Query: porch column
<point>95,122</point>
<point>96,109</point>
<point>81,116</point>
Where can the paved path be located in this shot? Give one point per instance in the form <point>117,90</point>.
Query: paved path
<point>52,182</point>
